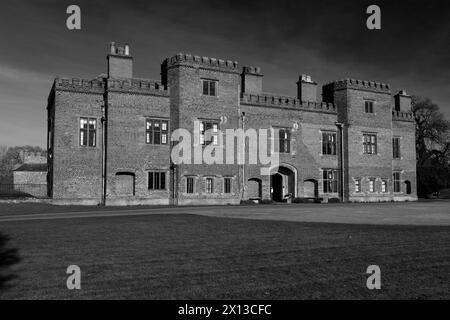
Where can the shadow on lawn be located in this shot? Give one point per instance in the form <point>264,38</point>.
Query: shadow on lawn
<point>8,257</point>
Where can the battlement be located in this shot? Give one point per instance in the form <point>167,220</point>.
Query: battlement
<point>286,102</point>
<point>79,85</point>
<point>189,60</point>
<point>360,85</point>
<point>402,116</point>
<point>140,86</point>
<point>120,51</point>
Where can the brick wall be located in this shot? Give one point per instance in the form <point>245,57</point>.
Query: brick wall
<point>76,171</point>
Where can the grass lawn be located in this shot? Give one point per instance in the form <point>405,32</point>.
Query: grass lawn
<point>196,257</point>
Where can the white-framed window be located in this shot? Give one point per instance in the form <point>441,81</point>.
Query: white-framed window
<point>384,186</point>
<point>190,185</point>
<point>156,131</point>
<point>209,132</point>
<point>358,185</point>
<point>372,184</point>
<point>329,143</point>
<point>368,106</point>
<point>88,132</point>
<point>370,143</point>
<point>209,87</point>
<point>227,185</point>
<point>396,147</point>
<point>209,185</point>
<point>156,180</point>
<point>284,135</point>
<point>396,181</point>
<point>330,180</point>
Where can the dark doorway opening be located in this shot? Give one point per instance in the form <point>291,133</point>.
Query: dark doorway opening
<point>276,185</point>
<point>408,186</point>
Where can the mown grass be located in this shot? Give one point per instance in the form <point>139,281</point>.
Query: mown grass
<point>195,257</point>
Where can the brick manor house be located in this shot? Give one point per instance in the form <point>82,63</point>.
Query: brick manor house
<point>109,137</point>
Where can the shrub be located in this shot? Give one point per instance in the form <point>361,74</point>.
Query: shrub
<point>334,200</point>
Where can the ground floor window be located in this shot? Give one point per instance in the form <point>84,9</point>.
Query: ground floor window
<point>384,186</point>
<point>357,185</point>
<point>190,185</point>
<point>227,185</point>
<point>209,185</point>
<point>156,180</point>
<point>396,180</point>
<point>372,185</point>
<point>330,182</point>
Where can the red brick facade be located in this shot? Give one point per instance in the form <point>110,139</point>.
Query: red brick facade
<point>120,106</point>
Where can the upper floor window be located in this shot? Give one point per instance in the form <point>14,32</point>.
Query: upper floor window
<point>396,147</point>
<point>227,185</point>
<point>156,180</point>
<point>368,106</point>
<point>370,143</point>
<point>209,87</point>
<point>330,182</point>
<point>396,181</point>
<point>329,143</point>
<point>156,131</point>
<point>189,185</point>
<point>209,185</point>
<point>284,140</point>
<point>209,132</point>
<point>88,132</point>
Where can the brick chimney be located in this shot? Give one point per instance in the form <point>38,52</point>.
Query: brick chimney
<point>306,89</point>
<point>120,63</point>
<point>251,79</point>
<point>402,101</point>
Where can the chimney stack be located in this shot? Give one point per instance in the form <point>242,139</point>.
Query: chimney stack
<point>251,79</point>
<point>306,89</point>
<point>402,101</point>
<point>120,63</point>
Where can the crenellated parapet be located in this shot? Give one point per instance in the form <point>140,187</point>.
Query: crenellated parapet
<point>79,85</point>
<point>137,86</point>
<point>402,116</point>
<point>193,61</point>
<point>360,85</point>
<point>268,100</point>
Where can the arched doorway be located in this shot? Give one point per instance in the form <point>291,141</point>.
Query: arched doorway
<point>283,182</point>
<point>311,188</point>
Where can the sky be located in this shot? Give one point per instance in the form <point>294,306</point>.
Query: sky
<point>328,40</point>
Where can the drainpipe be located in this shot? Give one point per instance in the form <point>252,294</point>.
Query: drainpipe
<point>105,140</point>
<point>243,154</point>
<point>341,156</point>
<point>240,180</point>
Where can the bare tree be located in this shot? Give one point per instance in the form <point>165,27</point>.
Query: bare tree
<point>432,146</point>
